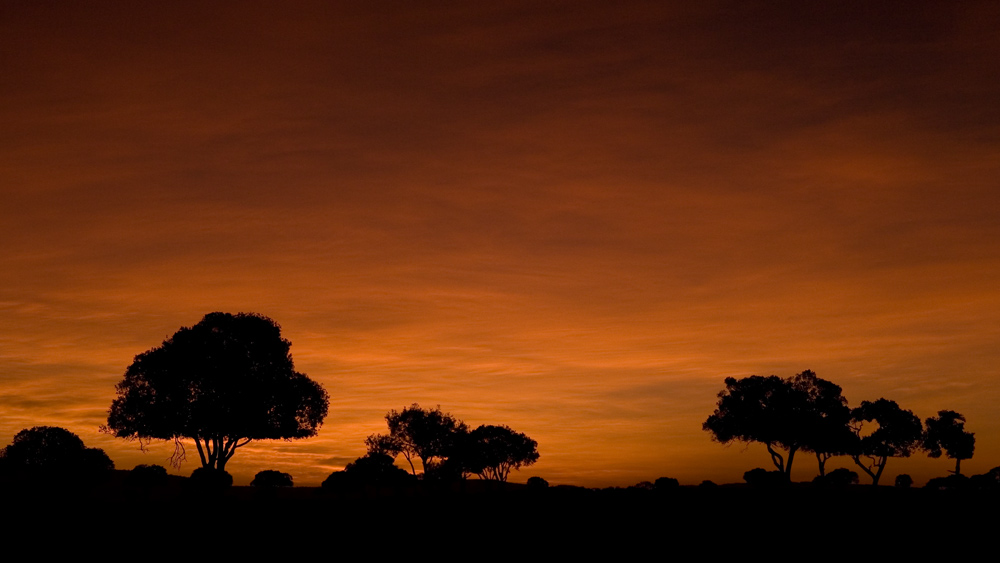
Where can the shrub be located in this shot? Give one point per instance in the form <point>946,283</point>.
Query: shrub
<point>209,478</point>
<point>269,478</point>
<point>537,483</point>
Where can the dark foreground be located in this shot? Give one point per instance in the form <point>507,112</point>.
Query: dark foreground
<point>476,521</point>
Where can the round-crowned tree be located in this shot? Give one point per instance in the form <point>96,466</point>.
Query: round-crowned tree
<point>271,479</point>
<point>222,383</point>
<point>498,449</point>
<point>48,451</point>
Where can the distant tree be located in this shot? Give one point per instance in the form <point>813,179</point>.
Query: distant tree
<point>429,435</point>
<point>989,481</point>
<point>383,444</point>
<point>270,479</point>
<point>760,477</point>
<point>666,484</point>
<point>904,481</point>
<point>210,479</point>
<point>536,482</point>
<point>899,434</point>
<point>498,449</point>
<point>840,477</point>
<point>767,410</point>
<point>147,476</point>
<point>377,469</point>
<point>826,419</point>
<point>947,432</point>
<point>954,482</point>
<point>222,383</point>
<point>51,450</point>
<point>373,469</point>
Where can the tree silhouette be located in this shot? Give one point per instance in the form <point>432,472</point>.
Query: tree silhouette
<point>498,449</point>
<point>828,432</point>
<point>768,410</point>
<point>420,433</point>
<point>270,479</point>
<point>899,434</point>
<point>222,383</point>
<point>947,432</point>
<point>49,451</point>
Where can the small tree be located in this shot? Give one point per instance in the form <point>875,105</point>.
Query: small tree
<point>947,432</point>
<point>419,433</point>
<point>270,479</point>
<point>498,449</point>
<point>222,383</point>
<point>898,434</point>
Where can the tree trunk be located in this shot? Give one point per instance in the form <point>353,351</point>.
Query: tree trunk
<point>822,459</point>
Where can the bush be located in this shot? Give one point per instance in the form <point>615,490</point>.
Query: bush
<point>210,478</point>
<point>666,484</point>
<point>537,483</point>
<point>147,476</point>
<point>54,453</point>
<point>269,478</point>
<point>949,483</point>
<point>760,477</point>
<point>841,477</point>
<point>904,481</point>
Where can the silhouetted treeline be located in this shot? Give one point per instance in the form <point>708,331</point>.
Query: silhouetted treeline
<point>810,414</point>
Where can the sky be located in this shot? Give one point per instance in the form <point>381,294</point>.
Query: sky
<point>573,218</point>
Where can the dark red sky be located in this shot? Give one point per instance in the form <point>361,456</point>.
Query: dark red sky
<point>573,218</point>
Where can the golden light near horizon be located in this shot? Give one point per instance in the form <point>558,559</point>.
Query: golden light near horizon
<point>576,226</point>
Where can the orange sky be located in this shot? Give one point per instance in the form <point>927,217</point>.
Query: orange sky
<point>573,218</point>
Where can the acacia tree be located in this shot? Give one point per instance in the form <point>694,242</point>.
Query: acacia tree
<point>419,433</point>
<point>768,410</point>
<point>495,450</point>
<point>828,433</point>
<point>222,383</point>
<point>947,432</point>
<point>899,434</point>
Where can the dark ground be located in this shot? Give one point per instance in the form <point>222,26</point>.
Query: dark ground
<point>511,522</point>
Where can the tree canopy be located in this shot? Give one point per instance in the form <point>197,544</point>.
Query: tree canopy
<point>899,434</point>
<point>222,383</point>
<point>495,450</point>
<point>760,409</point>
<point>946,432</point>
<point>827,416</point>
<point>802,412</point>
<point>51,450</point>
<point>427,434</point>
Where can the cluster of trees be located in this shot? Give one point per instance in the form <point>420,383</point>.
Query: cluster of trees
<point>810,414</point>
<point>445,446</point>
<point>54,454</point>
<point>229,380</point>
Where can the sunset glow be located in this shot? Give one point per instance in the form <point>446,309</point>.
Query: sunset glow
<point>572,218</point>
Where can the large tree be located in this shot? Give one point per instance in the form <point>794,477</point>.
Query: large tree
<point>898,434</point>
<point>427,434</point>
<point>767,410</point>
<point>827,416</point>
<point>222,383</point>
<point>947,432</point>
